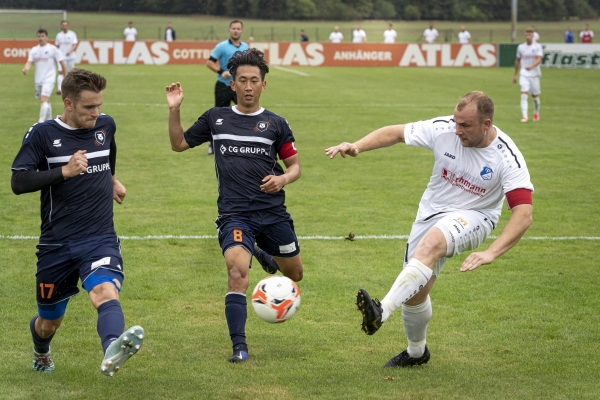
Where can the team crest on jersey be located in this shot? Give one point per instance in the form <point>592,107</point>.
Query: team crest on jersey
<point>262,126</point>
<point>99,137</point>
<point>486,173</point>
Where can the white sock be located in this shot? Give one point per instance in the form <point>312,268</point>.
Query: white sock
<point>412,279</point>
<point>524,105</point>
<point>49,111</point>
<point>59,81</point>
<point>536,105</point>
<point>43,111</point>
<point>415,320</point>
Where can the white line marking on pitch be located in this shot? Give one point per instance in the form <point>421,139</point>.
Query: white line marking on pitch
<point>289,70</point>
<point>309,237</point>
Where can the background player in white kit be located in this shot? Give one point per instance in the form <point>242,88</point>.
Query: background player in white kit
<point>45,56</point>
<point>66,41</point>
<point>389,35</point>
<point>359,35</point>
<point>529,58</point>
<point>464,37</point>
<point>476,167</point>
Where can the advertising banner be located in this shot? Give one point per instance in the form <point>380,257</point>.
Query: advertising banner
<point>276,53</point>
<point>563,55</point>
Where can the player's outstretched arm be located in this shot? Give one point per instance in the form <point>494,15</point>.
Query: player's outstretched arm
<point>273,183</point>
<point>382,137</point>
<point>519,222</point>
<point>174,99</point>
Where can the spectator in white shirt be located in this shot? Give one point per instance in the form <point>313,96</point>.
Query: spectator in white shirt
<point>431,34</point>
<point>358,35</point>
<point>464,37</point>
<point>389,35</point>
<point>130,33</point>
<point>170,33</point>
<point>336,36</point>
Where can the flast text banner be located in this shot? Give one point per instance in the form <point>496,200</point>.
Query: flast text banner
<point>282,54</point>
<point>571,55</point>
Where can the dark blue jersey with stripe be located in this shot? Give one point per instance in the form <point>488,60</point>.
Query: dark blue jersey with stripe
<point>245,148</point>
<point>78,207</point>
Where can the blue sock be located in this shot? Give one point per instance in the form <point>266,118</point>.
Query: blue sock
<point>236,314</point>
<point>111,322</point>
<point>264,258</point>
<point>40,344</point>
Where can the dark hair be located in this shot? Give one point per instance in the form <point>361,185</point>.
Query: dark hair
<point>236,21</point>
<point>78,80</point>
<point>485,105</point>
<point>42,30</point>
<point>252,57</point>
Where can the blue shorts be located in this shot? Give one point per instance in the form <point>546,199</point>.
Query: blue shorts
<point>60,266</point>
<point>272,233</point>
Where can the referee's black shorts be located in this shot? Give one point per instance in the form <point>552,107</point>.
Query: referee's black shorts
<point>224,95</point>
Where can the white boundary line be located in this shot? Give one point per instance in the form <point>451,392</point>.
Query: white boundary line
<point>289,70</point>
<point>309,237</point>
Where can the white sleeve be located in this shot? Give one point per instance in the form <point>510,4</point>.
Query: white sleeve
<point>75,41</point>
<point>539,51</point>
<point>516,176</point>
<point>30,57</point>
<point>519,51</point>
<point>58,55</point>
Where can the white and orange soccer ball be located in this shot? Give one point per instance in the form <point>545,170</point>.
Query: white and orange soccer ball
<point>276,299</point>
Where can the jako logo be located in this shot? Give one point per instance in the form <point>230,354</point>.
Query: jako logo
<point>449,155</point>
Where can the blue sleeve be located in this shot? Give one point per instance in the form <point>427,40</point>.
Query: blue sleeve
<point>199,132</point>
<point>217,52</point>
<point>31,154</point>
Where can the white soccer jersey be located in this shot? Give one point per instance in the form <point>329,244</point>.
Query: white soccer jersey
<point>464,37</point>
<point>336,37</point>
<point>528,54</point>
<point>45,59</point>
<point>430,35</point>
<point>466,178</point>
<point>65,42</point>
<point>389,36</point>
<point>358,35</point>
<point>130,34</point>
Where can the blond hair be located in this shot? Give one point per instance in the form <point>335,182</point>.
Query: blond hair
<point>485,105</point>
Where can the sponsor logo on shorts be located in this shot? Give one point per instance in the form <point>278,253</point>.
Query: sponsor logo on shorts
<point>100,262</point>
<point>287,248</point>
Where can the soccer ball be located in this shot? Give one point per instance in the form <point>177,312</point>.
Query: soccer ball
<point>276,299</point>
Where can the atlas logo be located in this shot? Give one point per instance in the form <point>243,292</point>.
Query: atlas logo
<point>262,126</point>
<point>99,137</point>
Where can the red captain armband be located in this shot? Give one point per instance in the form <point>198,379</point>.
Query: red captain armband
<point>287,150</point>
<point>518,196</point>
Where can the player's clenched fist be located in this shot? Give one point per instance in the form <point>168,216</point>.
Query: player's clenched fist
<point>77,165</point>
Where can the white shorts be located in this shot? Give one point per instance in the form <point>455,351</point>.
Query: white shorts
<point>43,89</point>
<point>464,230</point>
<point>530,84</point>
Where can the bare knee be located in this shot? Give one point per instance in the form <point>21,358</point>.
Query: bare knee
<point>295,275</point>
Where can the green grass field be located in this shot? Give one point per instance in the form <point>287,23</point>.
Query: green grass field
<point>203,27</point>
<point>526,326</point>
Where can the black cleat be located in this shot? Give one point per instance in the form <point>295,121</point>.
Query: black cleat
<point>261,256</point>
<point>371,311</point>
<point>240,354</point>
<point>404,360</point>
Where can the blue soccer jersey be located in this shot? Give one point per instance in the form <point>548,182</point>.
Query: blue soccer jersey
<point>78,207</point>
<point>246,148</point>
<point>223,52</point>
